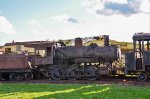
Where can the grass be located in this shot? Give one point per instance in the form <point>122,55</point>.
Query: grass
<point>125,46</point>
<point>72,91</point>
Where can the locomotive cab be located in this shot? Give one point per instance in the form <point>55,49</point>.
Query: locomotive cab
<point>43,53</point>
<point>138,61</point>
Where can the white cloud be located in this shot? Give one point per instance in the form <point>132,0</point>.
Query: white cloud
<point>36,27</point>
<point>116,7</point>
<point>109,19</point>
<point>32,22</point>
<point>118,27</point>
<point>118,1</point>
<point>145,6</point>
<point>65,18</point>
<point>6,26</point>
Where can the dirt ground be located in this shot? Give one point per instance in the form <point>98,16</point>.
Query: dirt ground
<point>119,81</point>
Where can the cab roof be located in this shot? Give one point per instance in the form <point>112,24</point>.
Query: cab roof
<point>141,36</point>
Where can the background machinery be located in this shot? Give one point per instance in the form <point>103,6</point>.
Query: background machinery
<point>138,61</point>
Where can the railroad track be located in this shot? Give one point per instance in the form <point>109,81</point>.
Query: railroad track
<point>119,81</point>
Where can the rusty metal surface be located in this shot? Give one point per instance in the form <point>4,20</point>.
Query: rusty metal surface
<point>106,40</point>
<point>141,36</point>
<point>44,60</point>
<point>103,71</point>
<point>40,45</point>
<point>146,57</point>
<point>107,53</point>
<point>78,42</point>
<point>130,63</point>
<point>13,62</point>
<point>23,43</point>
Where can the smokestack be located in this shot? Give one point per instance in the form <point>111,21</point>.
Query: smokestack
<point>78,42</point>
<point>106,40</point>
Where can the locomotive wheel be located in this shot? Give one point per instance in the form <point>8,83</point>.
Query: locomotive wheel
<point>17,76</point>
<point>73,75</point>
<point>91,73</point>
<point>57,73</point>
<point>28,76</point>
<point>142,77</point>
<point>1,77</point>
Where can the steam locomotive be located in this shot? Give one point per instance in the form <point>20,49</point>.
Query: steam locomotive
<point>76,62</point>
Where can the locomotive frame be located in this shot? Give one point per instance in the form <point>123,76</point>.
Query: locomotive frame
<point>55,65</point>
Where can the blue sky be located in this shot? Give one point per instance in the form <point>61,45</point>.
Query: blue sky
<point>27,20</point>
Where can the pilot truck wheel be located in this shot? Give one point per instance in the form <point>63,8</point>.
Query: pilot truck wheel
<point>142,77</point>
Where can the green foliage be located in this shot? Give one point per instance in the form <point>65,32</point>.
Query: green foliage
<point>72,91</point>
<point>67,42</point>
<point>60,40</point>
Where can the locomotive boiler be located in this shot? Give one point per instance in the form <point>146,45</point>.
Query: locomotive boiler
<point>92,53</point>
